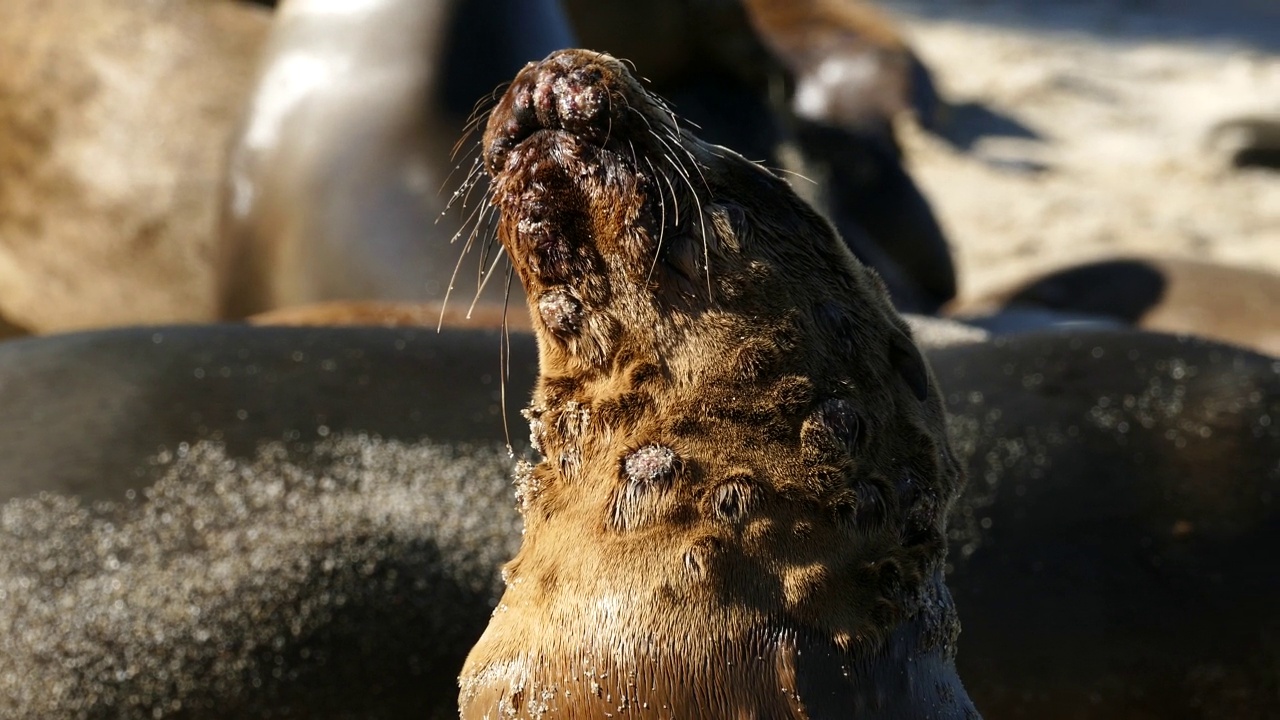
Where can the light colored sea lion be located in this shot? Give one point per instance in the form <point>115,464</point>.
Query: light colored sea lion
<point>1175,295</point>
<point>336,174</point>
<point>741,505</point>
<point>852,66</point>
<point>114,117</point>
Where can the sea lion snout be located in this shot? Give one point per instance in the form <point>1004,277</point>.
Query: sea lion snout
<point>569,91</point>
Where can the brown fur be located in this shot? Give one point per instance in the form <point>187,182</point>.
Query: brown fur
<point>113,119</point>
<point>395,314</point>
<point>746,475</point>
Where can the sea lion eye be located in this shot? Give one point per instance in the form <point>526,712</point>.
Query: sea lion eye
<point>730,222</point>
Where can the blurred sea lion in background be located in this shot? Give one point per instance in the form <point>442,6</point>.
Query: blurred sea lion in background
<point>1113,551</point>
<point>1249,141</point>
<point>1110,499</point>
<point>114,119</point>
<point>1175,295</point>
<point>344,203</point>
<point>336,175</point>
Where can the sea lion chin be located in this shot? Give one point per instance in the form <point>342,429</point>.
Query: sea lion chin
<point>741,506</point>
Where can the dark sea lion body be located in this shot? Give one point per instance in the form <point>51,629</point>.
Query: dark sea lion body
<point>1113,553</point>
<point>1230,304</point>
<point>1082,528</point>
<point>335,177</point>
<point>301,523</point>
<point>90,407</point>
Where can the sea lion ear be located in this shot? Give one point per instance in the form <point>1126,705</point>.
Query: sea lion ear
<point>906,360</point>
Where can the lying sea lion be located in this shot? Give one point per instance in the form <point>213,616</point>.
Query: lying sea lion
<point>226,521</point>
<point>1111,552</point>
<point>1055,524</point>
<point>335,175</point>
<point>740,509</point>
<point>1175,295</point>
<point>89,408</point>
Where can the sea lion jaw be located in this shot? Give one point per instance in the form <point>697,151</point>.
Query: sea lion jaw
<point>740,509</point>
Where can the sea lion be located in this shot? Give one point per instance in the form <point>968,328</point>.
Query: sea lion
<point>114,116</point>
<point>1247,141</point>
<point>227,521</point>
<point>335,175</point>
<point>1039,533</point>
<point>740,506</point>
<point>1111,554</point>
<point>1175,295</point>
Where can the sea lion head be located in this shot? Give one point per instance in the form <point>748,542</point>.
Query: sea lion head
<point>740,509</point>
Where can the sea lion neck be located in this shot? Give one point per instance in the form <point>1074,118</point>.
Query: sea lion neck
<point>741,502</point>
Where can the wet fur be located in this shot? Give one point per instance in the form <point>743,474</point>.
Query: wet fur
<point>807,510</point>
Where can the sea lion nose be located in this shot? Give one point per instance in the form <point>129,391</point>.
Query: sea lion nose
<point>566,91</point>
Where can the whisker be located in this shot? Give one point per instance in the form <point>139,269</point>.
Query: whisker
<point>474,175</point>
<point>662,227</point>
<point>478,215</point>
<point>485,280</point>
<point>504,360</point>
<point>779,170</point>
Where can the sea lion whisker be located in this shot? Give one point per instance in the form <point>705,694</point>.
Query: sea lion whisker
<point>793,173</point>
<point>474,176</point>
<point>484,280</point>
<point>504,359</point>
<point>474,223</point>
<point>478,176</point>
<point>477,211</point>
<point>481,109</point>
<point>486,247</point>
<point>675,199</point>
<point>693,160</point>
<point>662,222</point>
<point>467,133</point>
<point>701,220</point>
